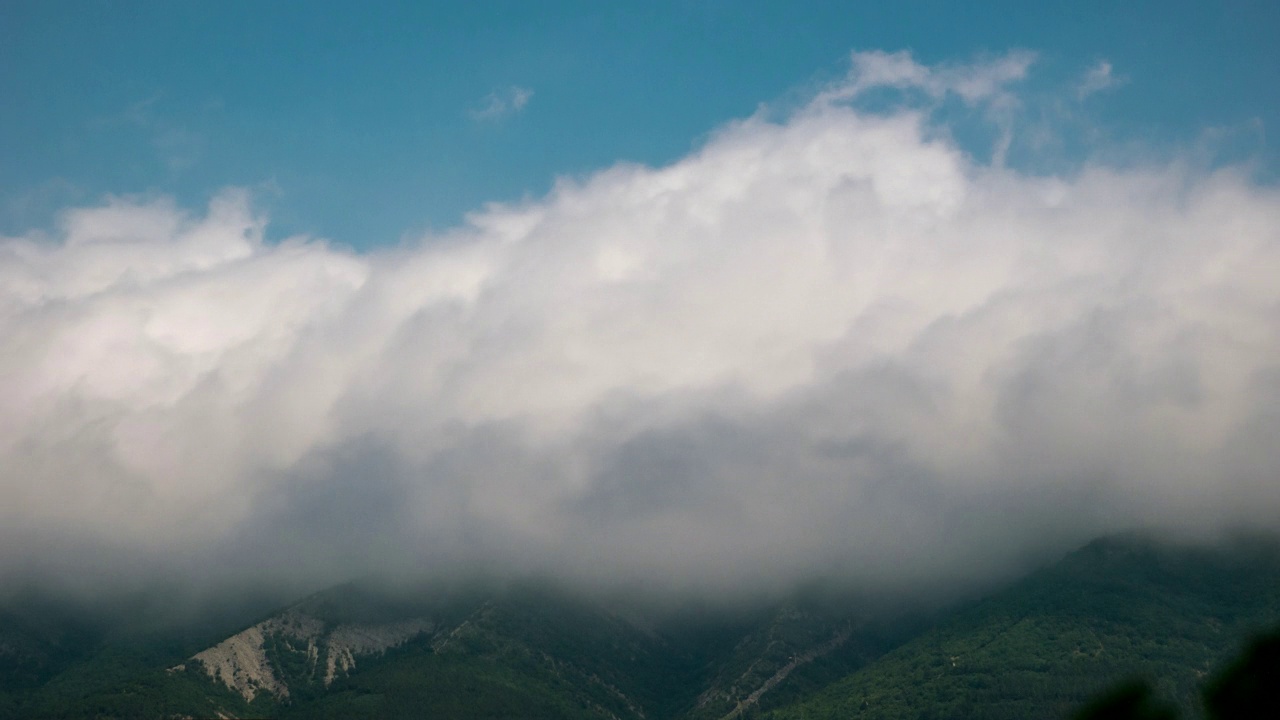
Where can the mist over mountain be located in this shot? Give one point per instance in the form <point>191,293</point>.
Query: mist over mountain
<point>1119,608</point>
<point>829,342</point>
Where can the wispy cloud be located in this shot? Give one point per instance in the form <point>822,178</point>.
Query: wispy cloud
<point>983,85</point>
<point>1098,78</point>
<point>501,103</point>
<point>983,81</point>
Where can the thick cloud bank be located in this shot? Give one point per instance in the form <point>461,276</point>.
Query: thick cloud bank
<point>828,344</point>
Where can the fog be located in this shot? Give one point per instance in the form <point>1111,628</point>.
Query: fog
<point>829,342</point>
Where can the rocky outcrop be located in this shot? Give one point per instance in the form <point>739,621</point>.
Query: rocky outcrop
<point>240,661</point>
<point>802,659</point>
<point>346,642</point>
<point>242,664</point>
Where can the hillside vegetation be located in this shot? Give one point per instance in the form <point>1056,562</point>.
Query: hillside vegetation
<point>1117,608</point>
<point>1042,647</point>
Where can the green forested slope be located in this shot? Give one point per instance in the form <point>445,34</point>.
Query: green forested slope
<point>528,652</point>
<point>1116,608</point>
<point>1039,648</point>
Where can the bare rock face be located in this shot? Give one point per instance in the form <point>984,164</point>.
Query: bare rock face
<point>241,663</point>
<point>346,642</point>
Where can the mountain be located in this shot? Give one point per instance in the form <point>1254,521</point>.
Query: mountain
<point>1120,607</point>
<point>526,650</point>
<point>37,642</point>
<point>64,655</point>
<point>1039,647</point>
<point>523,649</point>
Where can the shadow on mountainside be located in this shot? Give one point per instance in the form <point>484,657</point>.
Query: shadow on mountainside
<point>1247,689</point>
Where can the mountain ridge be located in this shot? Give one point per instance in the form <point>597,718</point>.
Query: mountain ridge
<point>1038,646</point>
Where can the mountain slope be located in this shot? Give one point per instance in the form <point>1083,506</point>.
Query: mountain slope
<point>794,650</point>
<point>1037,648</point>
<point>1116,608</point>
<point>523,653</point>
<point>528,650</point>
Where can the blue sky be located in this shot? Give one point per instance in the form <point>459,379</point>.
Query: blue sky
<point>366,122</point>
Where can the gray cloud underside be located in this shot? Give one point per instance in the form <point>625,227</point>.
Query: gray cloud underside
<point>827,344</point>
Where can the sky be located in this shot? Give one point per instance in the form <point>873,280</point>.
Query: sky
<point>369,125</point>
<point>705,295</point>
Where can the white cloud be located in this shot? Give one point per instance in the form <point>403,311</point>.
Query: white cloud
<point>833,343</point>
<point>983,81</point>
<point>982,85</point>
<point>498,104</point>
<point>1098,78</point>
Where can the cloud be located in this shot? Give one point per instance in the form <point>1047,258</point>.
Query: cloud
<point>978,82</point>
<point>502,103</point>
<point>980,86</point>
<point>830,344</point>
<point>1097,79</point>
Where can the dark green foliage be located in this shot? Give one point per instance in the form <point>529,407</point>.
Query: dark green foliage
<point>1245,690</point>
<point>1117,608</point>
<point>527,651</point>
<point>831,641</point>
<point>38,641</point>
<point>104,662</point>
<point>1045,646</point>
<point>1133,700</point>
<point>1249,687</point>
<point>123,683</point>
<point>426,685</point>
<point>599,658</point>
